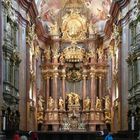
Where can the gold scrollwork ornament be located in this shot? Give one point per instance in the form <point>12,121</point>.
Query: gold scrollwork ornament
<point>74,26</point>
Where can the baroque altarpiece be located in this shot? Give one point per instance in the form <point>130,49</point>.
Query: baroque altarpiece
<point>74,68</point>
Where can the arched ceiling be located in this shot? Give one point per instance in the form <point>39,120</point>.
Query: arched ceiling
<point>99,9</point>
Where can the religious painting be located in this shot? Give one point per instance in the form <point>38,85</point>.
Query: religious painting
<point>99,9</point>
<point>50,8</point>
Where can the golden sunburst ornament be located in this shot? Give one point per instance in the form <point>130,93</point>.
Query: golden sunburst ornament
<point>74,26</point>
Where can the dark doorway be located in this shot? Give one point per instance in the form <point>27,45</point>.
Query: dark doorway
<point>39,127</point>
<point>50,127</point>
<point>97,127</point>
<point>108,127</point>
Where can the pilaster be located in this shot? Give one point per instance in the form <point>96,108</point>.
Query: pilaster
<point>1,73</point>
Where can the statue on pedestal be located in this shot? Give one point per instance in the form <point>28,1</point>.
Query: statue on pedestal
<point>50,103</point>
<point>40,103</point>
<point>70,99</point>
<point>107,102</point>
<point>98,104</point>
<point>61,104</point>
<point>54,29</point>
<point>86,104</point>
<point>76,99</point>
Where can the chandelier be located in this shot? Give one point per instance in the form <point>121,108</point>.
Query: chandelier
<point>74,53</point>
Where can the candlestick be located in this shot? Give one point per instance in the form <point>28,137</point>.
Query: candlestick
<point>132,123</point>
<point>4,123</point>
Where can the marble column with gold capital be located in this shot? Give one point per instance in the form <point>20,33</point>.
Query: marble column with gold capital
<point>47,89</point>
<point>100,86</point>
<point>55,86</point>
<point>84,87</point>
<point>63,84</point>
<point>55,52</point>
<point>93,90</point>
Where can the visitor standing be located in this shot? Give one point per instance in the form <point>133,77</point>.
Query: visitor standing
<point>33,136</point>
<point>16,136</point>
<point>109,137</point>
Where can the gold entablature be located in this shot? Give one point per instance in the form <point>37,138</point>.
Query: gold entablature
<point>74,26</point>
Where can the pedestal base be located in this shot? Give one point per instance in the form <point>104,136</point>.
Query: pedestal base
<point>92,127</point>
<point>55,127</point>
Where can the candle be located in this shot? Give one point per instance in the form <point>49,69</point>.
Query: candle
<point>132,123</point>
<point>4,123</point>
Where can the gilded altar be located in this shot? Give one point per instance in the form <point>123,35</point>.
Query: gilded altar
<point>73,113</point>
<point>74,71</point>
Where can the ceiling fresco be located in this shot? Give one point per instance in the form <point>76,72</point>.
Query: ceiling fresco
<point>99,9</point>
<point>49,9</point>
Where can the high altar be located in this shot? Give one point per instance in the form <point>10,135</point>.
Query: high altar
<point>74,68</point>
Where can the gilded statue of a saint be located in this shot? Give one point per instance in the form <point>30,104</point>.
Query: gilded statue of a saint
<point>70,99</point>
<point>86,104</point>
<point>76,99</point>
<point>40,103</point>
<point>54,29</point>
<point>50,103</point>
<point>107,102</point>
<point>98,104</point>
<point>61,103</point>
